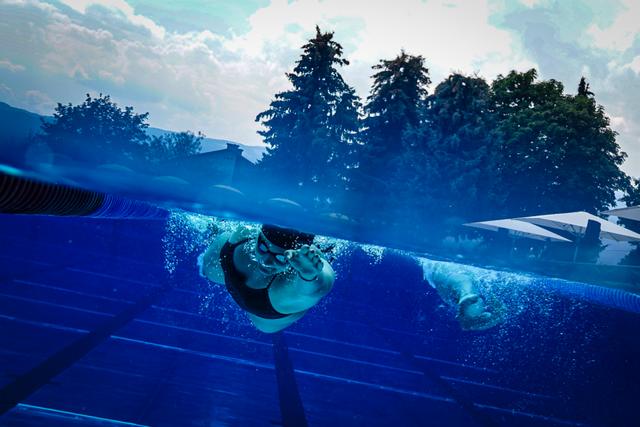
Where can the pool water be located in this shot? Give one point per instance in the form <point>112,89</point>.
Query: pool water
<point>107,322</point>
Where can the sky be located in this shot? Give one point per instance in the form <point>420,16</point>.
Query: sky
<point>212,66</point>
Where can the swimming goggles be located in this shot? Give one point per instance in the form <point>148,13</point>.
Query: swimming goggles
<point>264,249</point>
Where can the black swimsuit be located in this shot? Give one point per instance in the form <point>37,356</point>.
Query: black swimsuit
<point>254,301</point>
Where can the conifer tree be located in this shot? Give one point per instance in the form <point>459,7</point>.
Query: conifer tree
<point>392,112</point>
<point>393,107</point>
<point>312,128</point>
<point>450,166</point>
<point>583,88</point>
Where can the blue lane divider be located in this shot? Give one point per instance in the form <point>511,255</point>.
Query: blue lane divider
<point>118,207</point>
<point>610,297</point>
<point>20,195</point>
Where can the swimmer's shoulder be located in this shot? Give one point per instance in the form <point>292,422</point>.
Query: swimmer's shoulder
<point>211,267</point>
<point>239,234</point>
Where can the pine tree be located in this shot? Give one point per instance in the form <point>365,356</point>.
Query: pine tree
<point>583,88</point>
<point>393,108</point>
<point>453,159</point>
<point>393,111</point>
<point>312,129</point>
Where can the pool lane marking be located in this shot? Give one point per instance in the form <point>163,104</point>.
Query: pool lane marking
<point>66,414</point>
<point>497,387</point>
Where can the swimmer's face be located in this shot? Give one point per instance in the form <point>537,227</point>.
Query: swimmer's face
<point>271,258</point>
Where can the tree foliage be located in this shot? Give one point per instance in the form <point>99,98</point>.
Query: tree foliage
<point>174,145</point>
<point>393,111</point>
<point>312,128</point>
<point>451,160</point>
<point>555,152</point>
<point>96,131</point>
<point>394,105</point>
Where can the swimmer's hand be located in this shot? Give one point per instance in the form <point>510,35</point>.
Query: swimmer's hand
<point>307,261</point>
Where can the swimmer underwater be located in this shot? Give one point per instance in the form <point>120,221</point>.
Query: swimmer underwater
<point>274,275</point>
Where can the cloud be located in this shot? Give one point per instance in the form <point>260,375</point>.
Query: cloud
<point>185,80</point>
<point>39,102</point>
<point>531,3</point>
<point>6,92</point>
<point>634,65</point>
<point>620,34</point>
<point>119,6</point>
<point>8,65</point>
<point>619,95</point>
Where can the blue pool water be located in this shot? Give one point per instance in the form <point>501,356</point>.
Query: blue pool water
<point>107,322</point>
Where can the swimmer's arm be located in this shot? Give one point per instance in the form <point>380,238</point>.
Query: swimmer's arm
<point>239,234</point>
<point>451,282</point>
<point>211,267</point>
<point>270,326</point>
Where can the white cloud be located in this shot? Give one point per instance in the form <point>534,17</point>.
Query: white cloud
<point>122,7</point>
<point>6,92</point>
<point>39,102</point>
<point>619,124</point>
<point>531,3</point>
<point>8,65</point>
<point>617,90</point>
<point>634,65</point>
<point>622,32</point>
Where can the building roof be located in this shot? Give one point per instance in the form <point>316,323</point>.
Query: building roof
<point>520,229</point>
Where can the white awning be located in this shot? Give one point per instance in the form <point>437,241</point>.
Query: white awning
<point>632,212</point>
<point>576,223</point>
<point>519,228</point>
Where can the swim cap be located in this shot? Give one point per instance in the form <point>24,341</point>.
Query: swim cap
<point>286,238</point>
